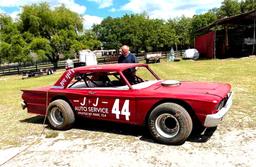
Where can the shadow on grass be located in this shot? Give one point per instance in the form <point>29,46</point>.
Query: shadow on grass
<point>34,120</point>
<point>123,129</point>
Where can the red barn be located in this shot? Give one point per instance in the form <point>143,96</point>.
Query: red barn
<point>235,39</point>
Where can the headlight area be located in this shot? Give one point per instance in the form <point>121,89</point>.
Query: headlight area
<point>213,120</point>
<point>223,102</point>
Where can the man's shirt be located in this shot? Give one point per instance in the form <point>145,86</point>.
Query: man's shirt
<point>127,59</point>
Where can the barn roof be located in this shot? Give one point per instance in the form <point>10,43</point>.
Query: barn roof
<point>241,19</point>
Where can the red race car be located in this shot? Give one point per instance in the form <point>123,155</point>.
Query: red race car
<point>131,94</point>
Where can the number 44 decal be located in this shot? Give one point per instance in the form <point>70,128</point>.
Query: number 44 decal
<point>124,111</point>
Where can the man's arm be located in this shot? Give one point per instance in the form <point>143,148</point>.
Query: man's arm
<point>119,59</point>
<point>135,59</point>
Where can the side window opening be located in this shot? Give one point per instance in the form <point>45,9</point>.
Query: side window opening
<point>97,79</point>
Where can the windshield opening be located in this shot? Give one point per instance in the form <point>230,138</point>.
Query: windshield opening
<point>138,75</point>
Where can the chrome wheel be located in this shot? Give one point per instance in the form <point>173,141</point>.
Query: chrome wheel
<point>167,125</point>
<point>56,116</point>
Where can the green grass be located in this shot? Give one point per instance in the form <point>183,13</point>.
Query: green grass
<point>241,73</point>
<point>14,126</point>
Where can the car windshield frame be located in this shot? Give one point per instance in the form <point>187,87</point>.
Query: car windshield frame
<point>122,73</point>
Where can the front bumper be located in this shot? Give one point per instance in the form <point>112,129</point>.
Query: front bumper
<point>213,120</point>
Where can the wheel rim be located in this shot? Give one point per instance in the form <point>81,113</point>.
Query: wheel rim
<point>56,116</point>
<point>167,125</point>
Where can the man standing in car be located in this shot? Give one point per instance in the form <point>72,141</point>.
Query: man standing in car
<point>126,56</point>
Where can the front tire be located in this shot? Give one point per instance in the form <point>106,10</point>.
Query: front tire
<point>170,123</point>
<point>60,115</point>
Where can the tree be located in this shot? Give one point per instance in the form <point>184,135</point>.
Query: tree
<point>4,51</point>
<point>50,33</point>
<point>247,5</point>
<point>19,49</point>
<point>171,24</point>
<point>5,29</point>
<point>54,31</point>
<point>13,48</point>
<point>136,30</point>
<point>89,40</point>
<point>229,8</point>
<point>42,47</point>
<point>183,29</point>
<point>107,32</point>
<point>202,20</point>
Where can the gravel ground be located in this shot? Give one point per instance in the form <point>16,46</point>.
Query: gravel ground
<point>80,147</point>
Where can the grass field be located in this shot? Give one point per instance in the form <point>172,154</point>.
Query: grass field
<point>241,73</point>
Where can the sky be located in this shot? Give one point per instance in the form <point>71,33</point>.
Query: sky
<point>94,11</point>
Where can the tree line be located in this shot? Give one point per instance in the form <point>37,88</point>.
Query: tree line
<point>145,34</point>
<point>42,33</point>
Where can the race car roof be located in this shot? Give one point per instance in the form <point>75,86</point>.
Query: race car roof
<point>108,67</point>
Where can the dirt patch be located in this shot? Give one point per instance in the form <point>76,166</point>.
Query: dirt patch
<point>233,148</point>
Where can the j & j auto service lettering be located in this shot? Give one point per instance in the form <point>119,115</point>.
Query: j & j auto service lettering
<point>92,110</point>
<point>89,108</point>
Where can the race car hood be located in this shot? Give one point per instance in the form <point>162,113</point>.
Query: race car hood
<point>193,88</point>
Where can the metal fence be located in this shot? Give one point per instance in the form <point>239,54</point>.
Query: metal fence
<point>12,69</point>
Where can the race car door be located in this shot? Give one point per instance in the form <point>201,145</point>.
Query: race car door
<point>111,104</point>
<point>105,104</point>
<point>92,98</point>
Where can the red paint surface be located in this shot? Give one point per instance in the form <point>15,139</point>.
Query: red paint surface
<point>205,45</point>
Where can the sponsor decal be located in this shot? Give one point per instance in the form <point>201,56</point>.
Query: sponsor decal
<point>93,110</point>
<point>67,77</point>
<point>85,108</point>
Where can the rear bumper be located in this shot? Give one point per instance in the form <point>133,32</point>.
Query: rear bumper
<point>213,120</point>
<point>23,105</point>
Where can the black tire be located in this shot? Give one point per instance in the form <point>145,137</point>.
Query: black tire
<point>158,61</point>
<point>60,115</point>
<point>170,123</point>
<point>147,61</point>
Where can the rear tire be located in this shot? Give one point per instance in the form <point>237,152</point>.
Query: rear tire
<point>170,123</point>
<point>60,115</point>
